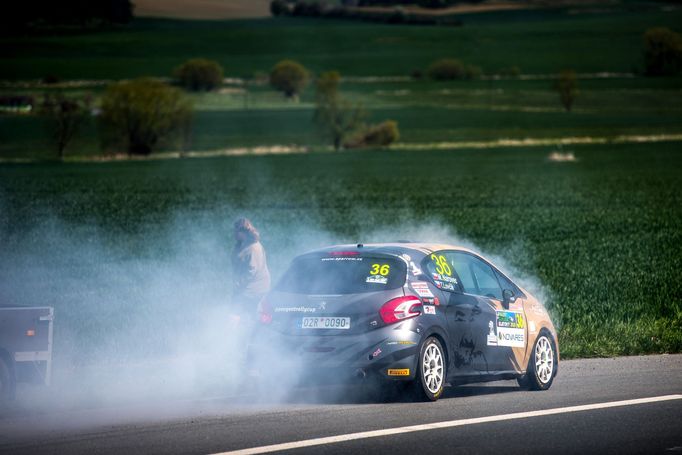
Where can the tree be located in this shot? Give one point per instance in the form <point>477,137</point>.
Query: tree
<point>662,52</point>
<point>65,117</point>
<point>142,113</point>
<point>567,86</point>
<point>289,77</point>
<point>199,74</point>
<point>336,117</point>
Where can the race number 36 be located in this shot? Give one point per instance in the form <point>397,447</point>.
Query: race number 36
<point>442,266</point>
<point>378,269</point>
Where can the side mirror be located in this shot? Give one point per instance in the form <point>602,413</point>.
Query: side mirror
<point>507,298</point>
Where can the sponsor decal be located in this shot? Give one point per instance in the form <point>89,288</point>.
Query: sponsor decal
<point>510,319</point>
<point>296,309</point>
<point>492,338</point>
<point>323,305</point>
<point>343,258</point>
<point>399,372</point>
<point>416,271</point>
<point>376,353</point>
<point>447,286</point>
<point>449,279</point>
<point>422,289</point>
<point>377,279</point>
<point>510,337</point>
<point>408,343</point>
<point>429,309</point>
<point>510,329</point>
<point>373,323</point>
<point>531,326</point>
<point>436,276</point>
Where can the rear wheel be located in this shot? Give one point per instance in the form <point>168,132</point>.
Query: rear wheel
<point>541,365</point>
<point>431,370</point>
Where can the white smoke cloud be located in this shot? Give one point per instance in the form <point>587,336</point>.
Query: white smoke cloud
<point>153,324</point>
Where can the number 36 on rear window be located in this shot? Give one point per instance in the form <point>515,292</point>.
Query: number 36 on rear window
<point>380,269</point>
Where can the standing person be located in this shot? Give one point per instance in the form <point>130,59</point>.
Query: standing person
<point>251,278</point>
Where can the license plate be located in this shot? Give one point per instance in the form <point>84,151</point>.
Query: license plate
<point>323,322</point>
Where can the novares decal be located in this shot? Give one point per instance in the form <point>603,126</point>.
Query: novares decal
<point>508,331</point>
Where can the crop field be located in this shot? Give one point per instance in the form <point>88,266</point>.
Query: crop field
<point>600,236</point>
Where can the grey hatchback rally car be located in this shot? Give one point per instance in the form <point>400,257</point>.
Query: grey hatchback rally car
<point>415,313</point>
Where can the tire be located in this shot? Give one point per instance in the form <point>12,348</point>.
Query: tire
<point>431,370</point>
<point>542,364</point>
<point>7,382</point>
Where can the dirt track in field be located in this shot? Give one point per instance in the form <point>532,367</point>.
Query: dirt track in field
<point>203,9</point>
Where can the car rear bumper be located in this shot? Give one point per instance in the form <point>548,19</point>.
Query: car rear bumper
<point>388,353</point>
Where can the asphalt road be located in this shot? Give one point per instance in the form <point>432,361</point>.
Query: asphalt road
<point>219,424</point>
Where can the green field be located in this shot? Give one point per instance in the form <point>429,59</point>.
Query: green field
<point>426,112</point>
<point>537,41</point>
<point>540,42</point>
<point>138,249</point>
<point>600,236</point>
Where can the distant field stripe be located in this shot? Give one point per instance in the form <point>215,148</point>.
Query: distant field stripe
<point>447,424</point>
<point>534,142</point>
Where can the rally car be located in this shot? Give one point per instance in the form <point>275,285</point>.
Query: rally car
<point>419,314</point>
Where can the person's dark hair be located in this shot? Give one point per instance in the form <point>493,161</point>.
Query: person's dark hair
<point>244,225</point>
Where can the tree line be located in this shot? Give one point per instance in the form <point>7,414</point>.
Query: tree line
<point>140,115</point>
<point>75,13</point>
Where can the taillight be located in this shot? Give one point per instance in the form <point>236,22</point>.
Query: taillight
<point>399,309</point>
<point>265,312</point>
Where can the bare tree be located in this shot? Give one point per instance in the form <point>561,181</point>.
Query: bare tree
<point>65,117</point>
<point>337,117</point>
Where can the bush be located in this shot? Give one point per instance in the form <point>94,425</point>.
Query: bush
<point>448,69</point>
<point>381,135</point>
<point>142,113</point>
<point>567,86</point>
<point>662,52</point>
<point>199,75</point>
<point>289,77</point>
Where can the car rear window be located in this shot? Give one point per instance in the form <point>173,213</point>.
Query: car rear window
<point>342,275</point>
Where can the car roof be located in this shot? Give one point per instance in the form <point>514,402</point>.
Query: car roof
<point>394,248</point>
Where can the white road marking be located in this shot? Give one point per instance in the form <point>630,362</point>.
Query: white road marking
<point>447,424</point>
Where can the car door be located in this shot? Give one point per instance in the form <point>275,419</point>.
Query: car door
<point>459,311</point>
<point>499,331</point>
